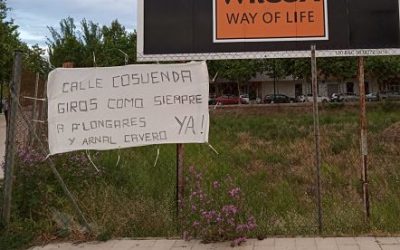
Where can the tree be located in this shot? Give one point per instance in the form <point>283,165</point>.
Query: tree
<point>92,42</point>
<point>275,69</point>
<point>35,62</point>
<point>383,68</point>
<point>110,45</point>
<point>238,71</point>
<point>118,45</point>
<point>341,68</point>
<point>9,42</point>
<point>65,46</point>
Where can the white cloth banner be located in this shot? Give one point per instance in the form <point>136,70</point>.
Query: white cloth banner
<point>128,106</point>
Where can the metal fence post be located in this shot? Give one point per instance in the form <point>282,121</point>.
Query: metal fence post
<point>364,137</point>
<point>10,144</point>
<point>316,134</point>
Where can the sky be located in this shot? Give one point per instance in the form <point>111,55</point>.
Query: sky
<point>34,16</point>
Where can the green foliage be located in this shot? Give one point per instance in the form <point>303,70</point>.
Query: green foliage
<point>341,68</point>
<point>274,68</point>
<point>383,68</point>
<point>9,42</point>
<point>91,45</point>
<point>35,61</point>
<point>65,46</point>
<point>238,71</point>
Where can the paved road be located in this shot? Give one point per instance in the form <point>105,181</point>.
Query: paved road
<point>2,143</point>
<point>362,243</point>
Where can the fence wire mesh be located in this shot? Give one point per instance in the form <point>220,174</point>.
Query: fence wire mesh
<point>331,52</point>
<point>267,151</point>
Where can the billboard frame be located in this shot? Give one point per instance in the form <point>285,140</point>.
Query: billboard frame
<point>142,57</point>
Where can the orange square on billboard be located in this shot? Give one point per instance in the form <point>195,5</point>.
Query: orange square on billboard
<point>270,20</point>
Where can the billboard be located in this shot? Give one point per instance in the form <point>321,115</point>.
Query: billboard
<point>243,29</point>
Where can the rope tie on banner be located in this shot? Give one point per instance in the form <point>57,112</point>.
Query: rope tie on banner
<point>39,121</point>
<point>35,99</point>
<point>94,60</point>
<point>119,156</point>
<point>212,148</point>
<point>90,159</point>
<point>157,157</point>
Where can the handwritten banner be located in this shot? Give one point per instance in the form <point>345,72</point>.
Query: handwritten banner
<point>128,106</point>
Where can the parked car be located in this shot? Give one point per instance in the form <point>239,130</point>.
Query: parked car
<point>244,99</point>
<point>227,100</point>
<point>301,98</point>
<point>350,97</point>
<point>336,97</point>
<point>344,97</point>
<point>323,99</point>
<point>278,98</point>
<point>390,96</point>
<point>372,97</point>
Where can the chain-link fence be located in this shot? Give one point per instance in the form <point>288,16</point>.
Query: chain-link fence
<point>32,107</point>
<point>266,152</point>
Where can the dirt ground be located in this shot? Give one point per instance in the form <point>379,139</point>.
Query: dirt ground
<point>392,133</point>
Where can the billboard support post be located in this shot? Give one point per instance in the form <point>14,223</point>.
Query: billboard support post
<point>316,134</point>
<point>363,138</point>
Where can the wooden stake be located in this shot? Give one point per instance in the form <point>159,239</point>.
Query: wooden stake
<point>316,134</point>
<point>364,137</point>
<point>180,185</point>
<point>10,144</point>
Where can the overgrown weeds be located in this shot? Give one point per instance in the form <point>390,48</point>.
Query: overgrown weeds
<point>269,157</point>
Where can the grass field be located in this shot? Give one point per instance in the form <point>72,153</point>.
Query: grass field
<point>267,152</point>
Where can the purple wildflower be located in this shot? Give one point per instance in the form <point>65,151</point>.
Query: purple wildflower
<point>234,193</point>
<point>230,210</point>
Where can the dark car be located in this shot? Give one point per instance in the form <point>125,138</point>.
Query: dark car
<point>278,98</point>
<point>212,100</point>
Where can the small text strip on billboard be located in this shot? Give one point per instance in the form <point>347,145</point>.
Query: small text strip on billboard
<point>127,106</point>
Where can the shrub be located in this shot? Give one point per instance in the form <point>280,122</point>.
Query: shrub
<point>215,211</point>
